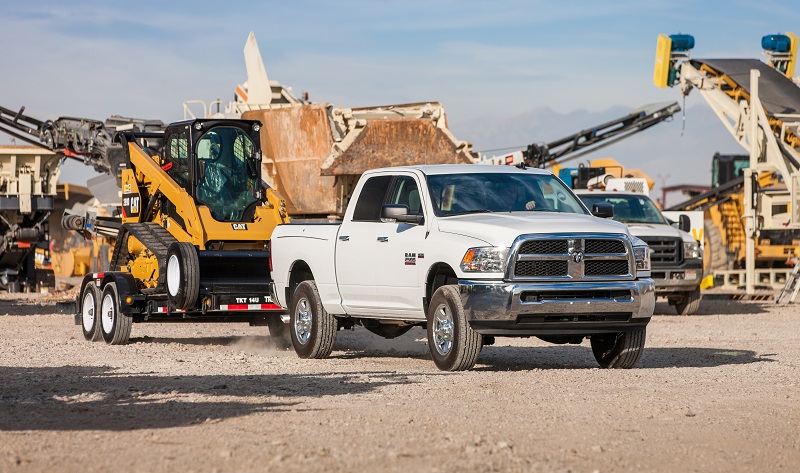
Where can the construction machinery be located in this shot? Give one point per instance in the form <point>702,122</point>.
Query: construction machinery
<point>758,103</point>
<point>723,206</point>
<point>573,146</point>
<point>28,189</point>
<point>193,244</point>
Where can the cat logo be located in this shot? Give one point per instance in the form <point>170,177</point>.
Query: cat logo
<point>239,226</point>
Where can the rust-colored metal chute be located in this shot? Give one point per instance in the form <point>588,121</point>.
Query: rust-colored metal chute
<point>313,154</point>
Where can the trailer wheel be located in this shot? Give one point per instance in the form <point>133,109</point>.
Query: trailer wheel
<point>183,275</point>
<point>312,328</point>
<point>116,326</point>
<point>618,350</point>
<point>90,313</point>
<point>689,304</point>
<point>454,346</point>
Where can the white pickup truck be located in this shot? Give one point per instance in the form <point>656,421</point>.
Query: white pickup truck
<point>471,252</point>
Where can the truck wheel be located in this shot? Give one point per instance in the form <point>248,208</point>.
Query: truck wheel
<point>689,304</point>
<point>183,275</point>
<point>453,344</point>
<point>279,333</point>
<point>618,350</point>
<point>116,326</point>
<point>90,313</point>
<point>312,328</point>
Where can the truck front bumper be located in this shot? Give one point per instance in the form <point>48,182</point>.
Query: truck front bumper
<point>564,308</point>
<point>682,278</point>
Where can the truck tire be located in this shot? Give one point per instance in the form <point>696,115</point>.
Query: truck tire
<point>279,333</point>
<point>90,313</point>
<point>689,304</point>
<point>454,346</point>
<point>618,350</point>
<point>312,328</point>
<point>115,325</point>
<point>183,275</point>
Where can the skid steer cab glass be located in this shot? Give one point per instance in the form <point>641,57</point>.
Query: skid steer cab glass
<point>225,186</point>
<point>485,260</point>
<point>641,255</point>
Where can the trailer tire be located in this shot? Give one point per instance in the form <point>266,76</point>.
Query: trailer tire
<point>312,328</point>
<point>454,346</point>
<point>115,325</point>
<point>689,304</point>
<point>183,275</point>
<point>618,350</point>
<point>90,313</point>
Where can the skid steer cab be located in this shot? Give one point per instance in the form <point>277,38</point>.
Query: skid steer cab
<point>193,244</point>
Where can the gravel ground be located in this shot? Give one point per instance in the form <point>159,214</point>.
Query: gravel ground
<point>717,391</point>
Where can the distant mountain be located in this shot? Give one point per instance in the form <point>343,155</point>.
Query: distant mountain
<point>658,151</point>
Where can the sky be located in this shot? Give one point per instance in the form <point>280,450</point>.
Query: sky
<point>488,62</point>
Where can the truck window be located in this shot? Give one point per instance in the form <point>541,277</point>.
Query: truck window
<point>370,201</point>
<point>406,192</point>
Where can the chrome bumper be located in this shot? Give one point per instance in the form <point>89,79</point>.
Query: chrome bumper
<point>503,308</point>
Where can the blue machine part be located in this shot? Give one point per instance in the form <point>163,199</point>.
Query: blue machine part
<point>682,42</point>
<point>777,43</point>
<point>568,175</point>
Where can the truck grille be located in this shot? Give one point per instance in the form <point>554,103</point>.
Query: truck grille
<point>665,251</point>
<point>572,257</point>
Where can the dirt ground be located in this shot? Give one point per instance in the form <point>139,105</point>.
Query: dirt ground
<point>719,391</point>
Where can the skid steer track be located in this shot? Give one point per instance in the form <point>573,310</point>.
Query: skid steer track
<point>153,236</point>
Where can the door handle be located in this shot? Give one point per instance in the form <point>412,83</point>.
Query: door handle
<point>344,238</point>
<point>383,239</point>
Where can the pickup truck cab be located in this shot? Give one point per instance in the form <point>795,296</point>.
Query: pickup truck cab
<point>470,252</point>
<point>676,256</point>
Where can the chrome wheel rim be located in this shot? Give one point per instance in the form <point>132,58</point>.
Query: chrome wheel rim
<point>88,311</point>
<point>442,330</point>
<point>107,313</point>
<point>173,275</point>
<point>302,321</point>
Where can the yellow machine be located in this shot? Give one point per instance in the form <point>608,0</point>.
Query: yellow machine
<point>193,243</point>
<point>759,205</point>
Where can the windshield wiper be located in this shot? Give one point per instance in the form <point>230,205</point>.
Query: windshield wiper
<point>464,212</point>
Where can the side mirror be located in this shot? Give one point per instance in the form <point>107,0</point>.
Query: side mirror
<point>603,210</point>
<point>684,223</point>
<point>399,213</point>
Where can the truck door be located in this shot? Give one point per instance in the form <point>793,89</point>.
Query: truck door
<point>355,248</point>
<point>400,254</point>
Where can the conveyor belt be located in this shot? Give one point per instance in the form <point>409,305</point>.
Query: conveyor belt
<point>778,94</point>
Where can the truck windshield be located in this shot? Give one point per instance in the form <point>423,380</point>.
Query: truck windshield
<point>225,186</point>
<point>628,208</point>
<point>454,194</point>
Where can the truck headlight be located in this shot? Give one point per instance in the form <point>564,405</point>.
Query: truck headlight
<point>641,255</point>
<point>485,260</point>
<point>691,249</point>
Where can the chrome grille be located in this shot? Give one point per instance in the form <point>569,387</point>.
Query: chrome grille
<point>540,268</point>
<point>544,247</point>
<point>664,251</point>
<point>575,257</point>
<point>605,246</point>
<point>605,268</point>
